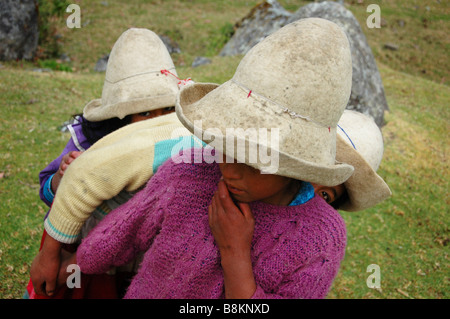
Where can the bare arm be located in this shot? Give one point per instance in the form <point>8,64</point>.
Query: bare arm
<point>45,267</point>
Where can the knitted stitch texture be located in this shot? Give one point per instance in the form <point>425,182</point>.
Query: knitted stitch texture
<point>296,250</point>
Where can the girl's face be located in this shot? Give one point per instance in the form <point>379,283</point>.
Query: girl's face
<point>246,184</point>
<point>329,193</point>
<point>151,114</point>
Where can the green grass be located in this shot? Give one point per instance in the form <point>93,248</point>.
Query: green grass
<point>33,106</point>
<point>407,235</point>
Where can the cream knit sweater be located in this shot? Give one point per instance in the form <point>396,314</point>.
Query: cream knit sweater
<point>121,161</point>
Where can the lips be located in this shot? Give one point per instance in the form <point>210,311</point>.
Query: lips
<point>234,190</point>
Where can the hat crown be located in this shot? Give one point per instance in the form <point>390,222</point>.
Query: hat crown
<point>317,47</point>
<point>137,51</point>
<point>362,133</point>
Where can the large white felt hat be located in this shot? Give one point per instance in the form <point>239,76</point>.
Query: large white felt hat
<point>297,80</point>
<point>360,144</point>
<point>136,78</point>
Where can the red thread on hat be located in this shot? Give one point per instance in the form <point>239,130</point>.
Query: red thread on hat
<point>329,129</point>
<point>167,72</point>
<point>249,93</point>
<point>180,81</point>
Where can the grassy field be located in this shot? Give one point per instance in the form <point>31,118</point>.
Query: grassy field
<point>407,236</point>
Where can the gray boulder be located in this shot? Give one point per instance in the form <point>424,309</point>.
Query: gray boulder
<point>170,44</point>
<point>102,63</point>
<point>367,94</point>
<point>19,33</point>
<point>262,20</point>
<point>200,60</point>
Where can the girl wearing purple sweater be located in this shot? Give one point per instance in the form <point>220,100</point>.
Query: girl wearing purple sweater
<point>199,243</point>
<point>223,223</point>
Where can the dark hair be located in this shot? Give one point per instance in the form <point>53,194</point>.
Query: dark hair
<point>341,200</point>
<point>93,131</point>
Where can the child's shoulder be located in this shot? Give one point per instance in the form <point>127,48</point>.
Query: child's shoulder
<point>320,227</point>
<point>328,222</point>
<point>323,211</point>
<point>317,219</point>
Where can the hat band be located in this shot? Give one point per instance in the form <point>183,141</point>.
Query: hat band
<point>282,107</point>
<point>347,136</point>
<point>143,73</point>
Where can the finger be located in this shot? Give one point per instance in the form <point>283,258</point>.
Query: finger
<point>50,286</point>
<point>38,288</point>
<point>210,216</point>
<point>65,157</point>
<point>69,161</point>
<point>75,154</point>
<point>225,199</point>
<point>63,169</point>
<point>245,209</point>
<point>35,276</point>
<point>216,202</point>
<point>212,207</point>
<point>222,189</point>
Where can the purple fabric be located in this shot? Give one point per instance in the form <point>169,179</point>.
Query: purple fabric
<point>296,250</point>
<point>52,168</point>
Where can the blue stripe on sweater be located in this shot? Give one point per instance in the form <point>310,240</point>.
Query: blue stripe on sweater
<point>165,149</point>
<point>47,190</point>
<point>47,221</point>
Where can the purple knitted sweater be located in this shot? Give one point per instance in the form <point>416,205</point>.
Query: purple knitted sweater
<point>296,250</point>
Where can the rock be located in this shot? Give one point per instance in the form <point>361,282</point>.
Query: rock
<point>33,101</point>
<point>171,45</point>
<point>64,58</point>
<point>401,23</point>
<point>19,31</point>
<point>200,60</point>
<point>367,95</point>
<point>42,70</point>
<point>391,46</point>
<point>263,19</point>
<point>102,63</point>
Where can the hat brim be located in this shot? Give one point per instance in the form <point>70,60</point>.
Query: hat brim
<point>365,188</point>
<point>201,102</point>
<point>91,109</point>
<point>94,111</point>
<point>141,93</point>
